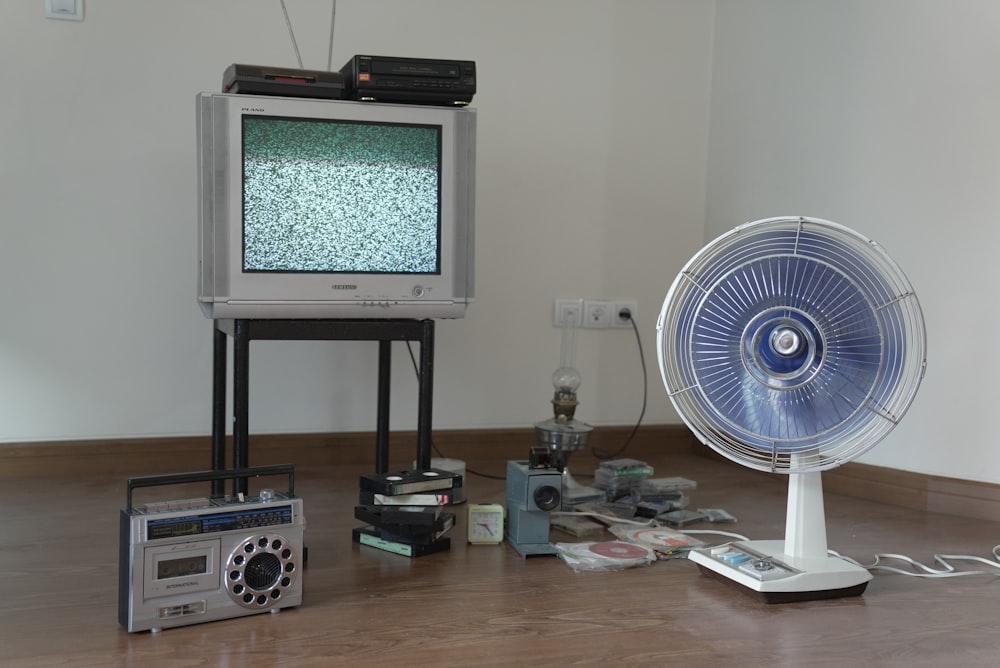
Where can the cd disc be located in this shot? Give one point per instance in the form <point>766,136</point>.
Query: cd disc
<point>617,549</point>
<point>659,538</point>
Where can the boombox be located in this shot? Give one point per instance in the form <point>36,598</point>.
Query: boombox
<point>200,560</point>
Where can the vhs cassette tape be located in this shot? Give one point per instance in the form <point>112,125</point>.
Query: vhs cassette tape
<point>418,517</point>
<point>372,537</point>
<point>200,560</point>
<point>422,499</point>
<point>408,538</point>
<point>410,482</point>
<point>401,531</point>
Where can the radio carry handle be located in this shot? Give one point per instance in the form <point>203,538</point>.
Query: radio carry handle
<point>209,476</point>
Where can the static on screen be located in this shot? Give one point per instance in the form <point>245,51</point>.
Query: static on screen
<point>336,196</point>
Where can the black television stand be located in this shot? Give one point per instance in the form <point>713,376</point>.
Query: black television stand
<point>384,331</point>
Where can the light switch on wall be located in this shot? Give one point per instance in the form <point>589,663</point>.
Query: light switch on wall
<point>71,10</point>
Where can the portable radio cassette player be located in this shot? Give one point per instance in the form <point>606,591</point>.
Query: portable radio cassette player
<point>199,560</point>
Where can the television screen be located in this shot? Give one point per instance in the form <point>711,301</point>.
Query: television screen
<point>337,196</point>
<point>315,208</point>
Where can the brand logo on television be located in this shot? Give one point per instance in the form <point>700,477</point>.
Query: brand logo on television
<point>251,109</point>
<point>345,286</point>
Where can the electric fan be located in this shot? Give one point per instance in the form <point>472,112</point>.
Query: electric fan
<point>791,345</point>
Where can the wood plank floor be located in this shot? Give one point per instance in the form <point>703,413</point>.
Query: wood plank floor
<point>485,605</point>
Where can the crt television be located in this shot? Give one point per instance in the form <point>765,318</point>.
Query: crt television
<point>334,209</point>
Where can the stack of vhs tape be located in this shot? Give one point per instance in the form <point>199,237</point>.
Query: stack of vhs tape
<point>404,512</point>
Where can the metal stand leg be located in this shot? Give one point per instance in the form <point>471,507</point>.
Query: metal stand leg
<point>426,396</point>
<point>382,420</point>
<point>219,363</point>
<point>241,401</point>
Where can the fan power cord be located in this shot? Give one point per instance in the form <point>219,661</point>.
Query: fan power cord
<point>715,532</point>
<point>609,519</point>
<point>921,570</point>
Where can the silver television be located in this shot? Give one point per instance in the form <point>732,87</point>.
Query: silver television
<point>334,209</point>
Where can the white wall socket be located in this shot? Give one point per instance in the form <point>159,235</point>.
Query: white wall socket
<point>564,310</point>
<point>617,306</point>
<point>596,314</point>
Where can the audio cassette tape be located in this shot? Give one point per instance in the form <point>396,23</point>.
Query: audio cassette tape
<point>199,560</point>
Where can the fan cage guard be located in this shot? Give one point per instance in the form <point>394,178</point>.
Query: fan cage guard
<point>791,344</point>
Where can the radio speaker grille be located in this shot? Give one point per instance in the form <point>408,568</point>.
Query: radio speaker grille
<point>259,570</point>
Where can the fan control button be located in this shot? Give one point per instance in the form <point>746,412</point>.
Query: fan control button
<point>736,558</point>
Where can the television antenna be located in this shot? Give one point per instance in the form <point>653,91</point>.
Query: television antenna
<point>295,43</point>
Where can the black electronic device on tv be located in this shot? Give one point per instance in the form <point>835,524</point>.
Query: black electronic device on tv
<point>284,82</point>
<point>409,80</point>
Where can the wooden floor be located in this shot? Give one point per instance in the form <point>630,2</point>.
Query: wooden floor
<point>485,605</point>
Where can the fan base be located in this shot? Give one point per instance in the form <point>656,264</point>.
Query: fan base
<point>763,569</point>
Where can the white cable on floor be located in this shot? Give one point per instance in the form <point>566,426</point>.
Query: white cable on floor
<point>603,518</point>
<point>924,571</point>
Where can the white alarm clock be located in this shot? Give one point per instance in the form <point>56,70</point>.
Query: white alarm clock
<point>485,523</point>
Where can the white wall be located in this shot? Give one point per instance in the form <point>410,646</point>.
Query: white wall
<point>592,146</point>
<point>594,126</point>
<point>881,115</point>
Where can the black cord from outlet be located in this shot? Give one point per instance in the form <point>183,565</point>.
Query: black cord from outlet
<point>599,453</point>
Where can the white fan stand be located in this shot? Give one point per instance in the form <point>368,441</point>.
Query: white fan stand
<point>795,569</point>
